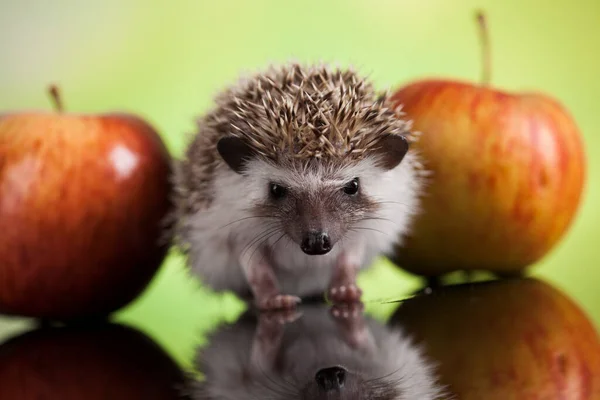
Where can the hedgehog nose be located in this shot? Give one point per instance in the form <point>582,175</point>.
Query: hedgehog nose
<point>332,378</point>
<point>315,243</point>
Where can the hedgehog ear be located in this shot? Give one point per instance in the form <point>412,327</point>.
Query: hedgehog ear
<point>235,152</point>
<point>391,151</point>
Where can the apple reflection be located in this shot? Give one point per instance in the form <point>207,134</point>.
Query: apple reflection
<point>506,339</point>
<point>316,352</point>
<point>104,361</point>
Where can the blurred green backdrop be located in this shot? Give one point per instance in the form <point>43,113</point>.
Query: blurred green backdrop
<point>165,60</point>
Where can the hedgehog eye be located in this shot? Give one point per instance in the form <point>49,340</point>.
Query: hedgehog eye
<point>277,191</point>
<point>351,188</point>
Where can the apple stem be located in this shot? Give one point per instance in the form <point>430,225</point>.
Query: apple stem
<point>56,99</point>
<point>485,49</point>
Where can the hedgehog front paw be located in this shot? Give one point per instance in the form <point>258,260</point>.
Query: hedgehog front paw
<point>277,302</point>
<point>349,318</point>
<point>279,317</point>
<point>346,293</point>
<point>347,311</point>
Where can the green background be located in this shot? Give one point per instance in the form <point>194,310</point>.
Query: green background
<point>165,61</point>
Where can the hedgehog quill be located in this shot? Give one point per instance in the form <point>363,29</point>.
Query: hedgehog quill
<point>294,182</point>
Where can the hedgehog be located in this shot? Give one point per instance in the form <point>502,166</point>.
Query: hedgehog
<point>293,183</point>
<point>326,352</point>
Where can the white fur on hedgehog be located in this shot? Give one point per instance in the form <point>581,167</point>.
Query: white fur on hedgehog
<point>210,253</point>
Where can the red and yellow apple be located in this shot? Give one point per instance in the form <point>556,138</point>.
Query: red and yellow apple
<point>98,362</point>
<point>83,199</point>
<point>506,176</point>
<point>510,339</point>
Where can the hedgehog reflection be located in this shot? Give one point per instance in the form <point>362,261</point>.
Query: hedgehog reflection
<point>316,353</point>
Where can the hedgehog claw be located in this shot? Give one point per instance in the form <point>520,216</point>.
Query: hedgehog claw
<point>278,302</point>
<point>347,311</point>
<point>348,293</point>
<point>349,318</point>
<point>279,317</point>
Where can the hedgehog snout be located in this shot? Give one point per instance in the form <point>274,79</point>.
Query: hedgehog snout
<point>316,242</point>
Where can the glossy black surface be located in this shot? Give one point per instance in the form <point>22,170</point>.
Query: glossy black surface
<point>323,351</point>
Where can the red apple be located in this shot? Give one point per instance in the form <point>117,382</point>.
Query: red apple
<point>82,202</point>
<point>510,339</point>
<point>100,362</point>
<point>507,175</point>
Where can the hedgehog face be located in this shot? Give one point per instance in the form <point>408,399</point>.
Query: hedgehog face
<point>315,210</point>
<point>314,202</point>
<point>327,383</point>
<point>335,382</point>
<point>339,383</point>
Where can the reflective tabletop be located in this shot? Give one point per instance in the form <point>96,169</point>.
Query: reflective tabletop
<point>468,338</point>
